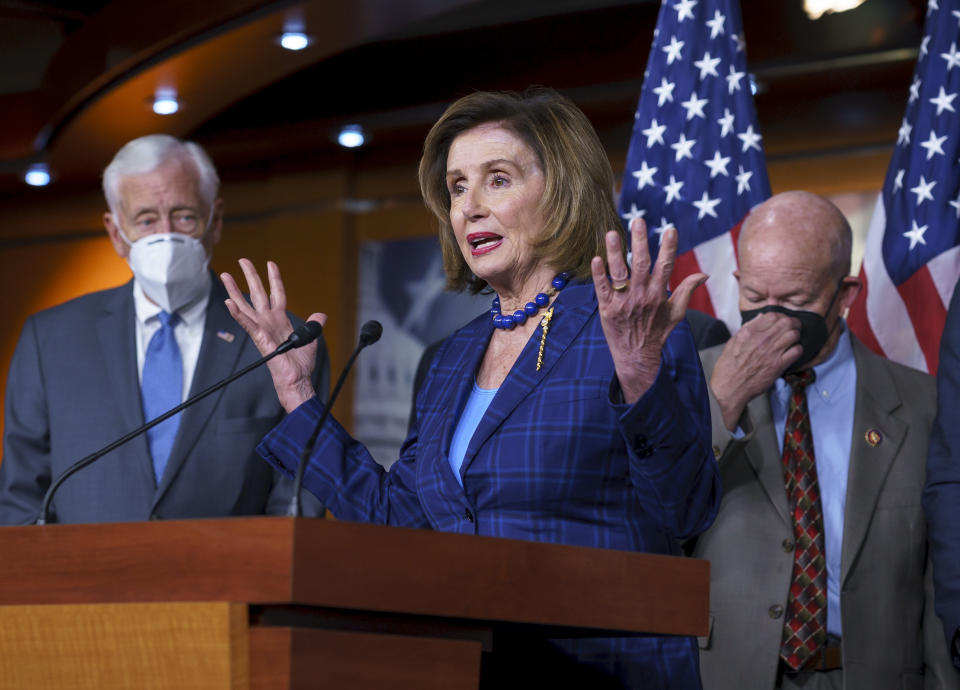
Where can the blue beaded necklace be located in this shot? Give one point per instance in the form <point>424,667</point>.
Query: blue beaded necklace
<point>519,317</point>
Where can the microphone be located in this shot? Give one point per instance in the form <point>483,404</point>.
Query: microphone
<point>301,336</point>
<point>304,335</point>
<point>370,333</point>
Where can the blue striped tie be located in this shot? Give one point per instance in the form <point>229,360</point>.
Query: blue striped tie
<point>162,389</point>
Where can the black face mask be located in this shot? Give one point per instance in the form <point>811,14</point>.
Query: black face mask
<point>813,329</point>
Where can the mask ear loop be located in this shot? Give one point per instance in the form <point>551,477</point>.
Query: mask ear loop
<point>123,233</point>
<point>836,293</point>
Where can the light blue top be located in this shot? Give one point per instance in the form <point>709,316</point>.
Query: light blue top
<point>473,411</point>
<point>830,399</point>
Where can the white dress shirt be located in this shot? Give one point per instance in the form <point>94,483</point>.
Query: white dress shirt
<point>188,332</point>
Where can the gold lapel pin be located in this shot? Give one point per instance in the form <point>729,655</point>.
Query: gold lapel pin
<point>873,437</point>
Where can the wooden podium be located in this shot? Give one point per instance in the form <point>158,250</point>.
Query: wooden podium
<point>251,603</point>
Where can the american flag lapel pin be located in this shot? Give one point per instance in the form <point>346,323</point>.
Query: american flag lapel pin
<point>225,336</point>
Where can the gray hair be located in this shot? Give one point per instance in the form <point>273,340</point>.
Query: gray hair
<point>145,154</point>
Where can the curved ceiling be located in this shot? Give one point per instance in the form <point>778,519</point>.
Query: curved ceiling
<point>76,77</point>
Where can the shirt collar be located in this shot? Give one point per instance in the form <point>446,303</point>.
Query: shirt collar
<point>191,315</point>
<point>830,372</point>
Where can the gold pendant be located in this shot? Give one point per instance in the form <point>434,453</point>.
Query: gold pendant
<point>545,325</point>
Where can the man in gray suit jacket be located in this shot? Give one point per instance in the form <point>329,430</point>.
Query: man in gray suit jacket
<point>88,371</point>
<point>819,575</point>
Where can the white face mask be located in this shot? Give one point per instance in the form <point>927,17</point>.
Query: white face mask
<point>171,268</point>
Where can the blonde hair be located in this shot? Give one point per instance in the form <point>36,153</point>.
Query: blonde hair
<point>577,204</point>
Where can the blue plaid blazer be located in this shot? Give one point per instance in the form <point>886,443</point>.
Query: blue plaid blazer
<point>556,458</point>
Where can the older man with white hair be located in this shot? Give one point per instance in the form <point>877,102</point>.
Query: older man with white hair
<point>86,372</point>
<point>819,576</point>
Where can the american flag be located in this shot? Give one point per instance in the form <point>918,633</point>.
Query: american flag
<point>911,259</point>
<point>696,157</point>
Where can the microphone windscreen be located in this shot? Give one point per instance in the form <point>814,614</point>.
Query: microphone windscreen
<point>305,334</point>
<point>370,333</point>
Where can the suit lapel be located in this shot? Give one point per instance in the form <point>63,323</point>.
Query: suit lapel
<point>460,365</point>
<point>216,361</point>
<point>572,308</point>
<point>116,331</point>
<point>760,446</point>
<point>876,401</point>
<point>765,456</point>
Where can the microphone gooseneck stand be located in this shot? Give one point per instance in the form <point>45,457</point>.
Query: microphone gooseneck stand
<point>303,335</point>
<point>369,334</point>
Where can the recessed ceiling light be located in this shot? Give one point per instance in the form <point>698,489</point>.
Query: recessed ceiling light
<point>351,136</point>
<point>294,40</point>
<point>165,102</point>
<point>37,175</point>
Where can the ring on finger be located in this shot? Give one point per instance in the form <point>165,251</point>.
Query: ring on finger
<point>620,285</point>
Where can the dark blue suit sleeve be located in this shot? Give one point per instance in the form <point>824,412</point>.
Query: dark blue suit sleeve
<point>349,481</point>
<point>667,434</point>
<point>941,496</point>
<point>25,468</point>
<point>278,501</point>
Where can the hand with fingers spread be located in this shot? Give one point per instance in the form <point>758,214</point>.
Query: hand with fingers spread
<point>752,360</point>
<point>265,320</point>
<point>636,312</point>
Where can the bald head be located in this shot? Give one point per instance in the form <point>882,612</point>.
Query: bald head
<point>795,255</point>
<point>799,225</point>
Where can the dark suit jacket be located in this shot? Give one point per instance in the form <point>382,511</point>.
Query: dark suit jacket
<point>891,638</point>
<point>553,459</point>
<point>707,332</point>
<point>941,497</point>
<point>73,388</point>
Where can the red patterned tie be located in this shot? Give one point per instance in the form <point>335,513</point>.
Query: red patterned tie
<point>805,622</point>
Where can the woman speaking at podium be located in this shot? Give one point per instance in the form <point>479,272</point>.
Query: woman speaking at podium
<point>574,412</point>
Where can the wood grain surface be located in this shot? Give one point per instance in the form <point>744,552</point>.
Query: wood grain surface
<point>183,646</point>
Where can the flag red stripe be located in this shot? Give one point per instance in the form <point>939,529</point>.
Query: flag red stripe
<point>686,264</point>
<point>859,323</point>
<point>927,313</point>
